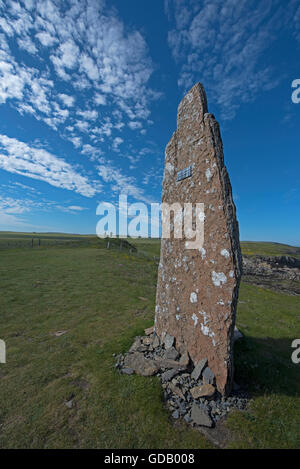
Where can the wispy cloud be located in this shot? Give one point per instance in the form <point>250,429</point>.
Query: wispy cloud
<point>222,43</point>
<point>37,163</point>
<point>14,212</point>
<point>76,208</point>
<point>120,183</point>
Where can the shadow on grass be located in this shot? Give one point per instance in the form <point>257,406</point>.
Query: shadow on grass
<point>264,366</point>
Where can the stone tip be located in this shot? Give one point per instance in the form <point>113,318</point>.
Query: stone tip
<point>195,97</point>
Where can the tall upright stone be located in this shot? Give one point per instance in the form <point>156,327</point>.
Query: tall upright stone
<point>197,289</point>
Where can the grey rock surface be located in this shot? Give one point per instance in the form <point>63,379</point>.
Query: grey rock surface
<point>171,354</point>
<point>168,375</point>
<point>208,376</point>
<point>169,341</point>
<point>196,374</point>
<point>200,416</point>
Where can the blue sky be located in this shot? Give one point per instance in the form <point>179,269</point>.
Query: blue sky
<point>88,98</point>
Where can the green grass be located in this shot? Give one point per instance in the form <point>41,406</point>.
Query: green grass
<point>252,248</point>
<point>270,322</point>
<point>94,296</point>
<point>102,299</point>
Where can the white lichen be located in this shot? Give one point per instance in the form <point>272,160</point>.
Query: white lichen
<point>206,331</point>
<point>208,174</point>
<point>170,168</point>
<point>225,253</point>
<point>205,318</point>
<point>218,278</point>
<point>203,253</point>
<point>189,97</point>
<point>195,319</point>
<point>193,297</point>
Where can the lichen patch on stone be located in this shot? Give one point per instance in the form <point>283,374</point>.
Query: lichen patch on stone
<point>218,278</point>
<point>193,297</point>
<point>225,253</point>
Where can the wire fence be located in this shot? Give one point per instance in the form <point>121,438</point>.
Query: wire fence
<point>115,244</point>
<point>38,242</point>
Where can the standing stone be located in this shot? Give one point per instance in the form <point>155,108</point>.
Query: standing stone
<point>197,289</point>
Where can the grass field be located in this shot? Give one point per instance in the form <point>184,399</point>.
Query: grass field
<point>100,299</point>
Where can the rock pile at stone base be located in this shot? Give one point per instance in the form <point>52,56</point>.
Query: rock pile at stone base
<point>189,389</point>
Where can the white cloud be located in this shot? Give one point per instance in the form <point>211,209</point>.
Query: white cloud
<point>66,99</point>
<point>12,81</point>
<point>38,163</point>
<point>121,183</point>
<point>88,114</point>
<point>13,206</point>
<point>88,65</point>
<point>100,99</point>
<point>4,25</point>
<point>134,125</point>
<point>92,152</point>
<point>76,208</point>
<point>106,128</point>
<point>46,39</point>
<point>60,113</point>
<point>65,58</point>
<point>117,142</point>
<point>12,210</point>
<point>82,125</point>
<point>73,209</point>
<point>76,141</point>
<point>27,45</point>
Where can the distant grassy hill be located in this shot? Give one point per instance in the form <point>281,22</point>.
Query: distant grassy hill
<point>263,248</point>
<point>147,246</point>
